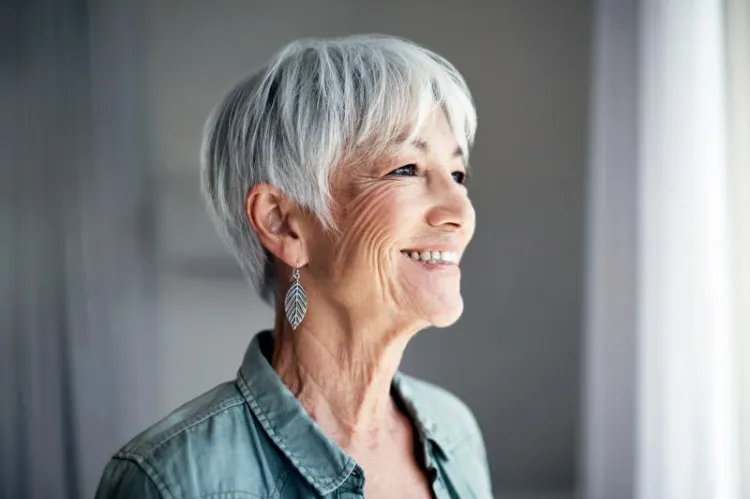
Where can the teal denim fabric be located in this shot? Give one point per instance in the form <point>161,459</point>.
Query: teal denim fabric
<point>251,438</point>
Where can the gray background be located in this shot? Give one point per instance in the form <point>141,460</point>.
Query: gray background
<point>514,357</point>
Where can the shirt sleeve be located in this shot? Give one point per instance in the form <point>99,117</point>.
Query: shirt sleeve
<point>125,479</point>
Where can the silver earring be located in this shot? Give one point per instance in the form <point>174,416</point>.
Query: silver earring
<point>295,304</point>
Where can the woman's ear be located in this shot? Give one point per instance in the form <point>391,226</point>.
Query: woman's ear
<point>278,223</point>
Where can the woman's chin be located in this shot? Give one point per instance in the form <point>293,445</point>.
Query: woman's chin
<point>438,303</point>
<point>448,313</point>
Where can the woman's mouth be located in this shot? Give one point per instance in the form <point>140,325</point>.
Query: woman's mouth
<point>432,256</point>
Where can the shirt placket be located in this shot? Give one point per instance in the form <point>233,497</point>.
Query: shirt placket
<point>353,487</point>
<point>433,472</point>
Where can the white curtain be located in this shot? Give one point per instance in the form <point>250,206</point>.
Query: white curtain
<point>738,73</point>
<point>688,389</point>
<point>684,433</point>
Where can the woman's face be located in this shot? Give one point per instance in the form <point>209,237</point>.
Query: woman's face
<point>403,223</point>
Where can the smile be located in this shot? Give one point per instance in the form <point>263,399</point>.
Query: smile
<point>434,257</point>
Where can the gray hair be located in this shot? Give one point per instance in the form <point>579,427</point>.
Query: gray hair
<point>311,107</point>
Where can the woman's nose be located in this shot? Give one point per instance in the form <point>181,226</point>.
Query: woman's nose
<point>452,208</point>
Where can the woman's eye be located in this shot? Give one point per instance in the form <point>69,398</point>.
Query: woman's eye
<point>406,170</point>
<point>459,177</point>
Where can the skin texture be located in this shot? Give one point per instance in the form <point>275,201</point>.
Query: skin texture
<point>366,299</point>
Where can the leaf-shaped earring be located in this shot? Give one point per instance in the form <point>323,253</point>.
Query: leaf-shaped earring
<point>295,304</point>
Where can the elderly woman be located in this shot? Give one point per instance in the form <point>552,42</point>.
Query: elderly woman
<point>336,174</point>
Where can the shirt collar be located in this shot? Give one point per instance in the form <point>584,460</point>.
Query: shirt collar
<point>319,460</point>
<point>287,424</point>
<point>421,413</point>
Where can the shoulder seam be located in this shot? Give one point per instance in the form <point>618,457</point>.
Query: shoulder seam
<point>150,448</point>
<point>149,471</point>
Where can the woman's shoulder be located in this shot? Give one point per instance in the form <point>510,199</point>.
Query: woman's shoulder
<point>192,449</point>
<point>188,418</point>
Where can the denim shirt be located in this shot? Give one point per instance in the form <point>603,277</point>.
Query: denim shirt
<point>251,438</point>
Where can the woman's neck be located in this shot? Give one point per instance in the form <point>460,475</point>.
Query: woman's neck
<point>342,375</point>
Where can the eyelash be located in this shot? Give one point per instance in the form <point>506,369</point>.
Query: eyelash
<point>462,176</point>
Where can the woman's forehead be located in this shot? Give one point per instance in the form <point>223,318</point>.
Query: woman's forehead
<point>434,138</point>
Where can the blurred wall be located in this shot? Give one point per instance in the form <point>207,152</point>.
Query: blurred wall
<point>609,360</point>
<point>514,356</point>
<point>77,253</point>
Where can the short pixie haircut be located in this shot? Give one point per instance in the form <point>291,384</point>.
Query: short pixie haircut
<point>311,108</point>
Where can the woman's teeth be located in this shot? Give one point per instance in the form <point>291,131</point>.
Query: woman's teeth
<point>432,256</point>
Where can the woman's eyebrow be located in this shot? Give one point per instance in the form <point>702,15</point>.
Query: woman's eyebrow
<point>422,145</point>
